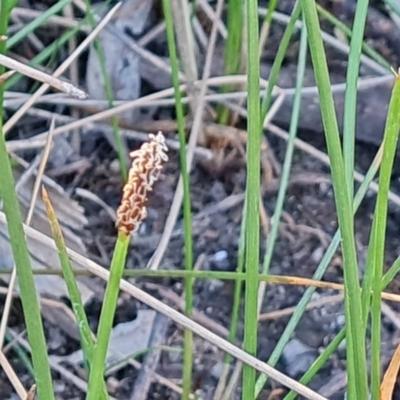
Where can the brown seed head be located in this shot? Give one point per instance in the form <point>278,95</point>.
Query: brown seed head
<point>146,167</point>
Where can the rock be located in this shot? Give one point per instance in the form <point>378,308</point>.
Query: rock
<point>298,357</point>
<point>310,333</point>
<point>372,104</point>
<point>220,256</point>
<point>215,285</point>
<point>216,370</point>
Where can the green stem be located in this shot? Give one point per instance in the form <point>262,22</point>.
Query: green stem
<point>350,98</point>
<point>187,218</point>
<point>273,235</point>
<point>367,49</point>
<point>356,352</point>
<point>252,196</point>
<point>378,235</point>
<point>280,55</point>
<point>96,377</point>
<point>86,335</point>
<point>19,247</point>
<point>121,151</point>
<point>232,51</point>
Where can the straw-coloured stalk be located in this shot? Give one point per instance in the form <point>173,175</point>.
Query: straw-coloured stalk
<point>145,170</point>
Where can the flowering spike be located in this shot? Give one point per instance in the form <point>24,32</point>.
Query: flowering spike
<point>145,170</point>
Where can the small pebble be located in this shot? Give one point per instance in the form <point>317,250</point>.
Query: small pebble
<point>59,387</point>
<point>338,323</point>
<point>114,166</point>
<point>298,357</point>
<point>215,285</point>
<point>220,256</point>
<point>317,254</point>
<point>216,370</point>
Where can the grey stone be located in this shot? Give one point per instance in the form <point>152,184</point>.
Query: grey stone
<point>298,357</point>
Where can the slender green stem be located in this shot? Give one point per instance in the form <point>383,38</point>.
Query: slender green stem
<point>356,353</point>
<point>96,376</point>
<point>273,235</point>
<point>121,150</point>
<point>350,96</point>
<point>252,196</point>
<point>239,284</point>
<point>21,353</point>
<point>228,276</point>
<point>70,280</point>
<point>188,249</point>
<point>35,23</point>
<point>280,55</point>
<point>349,118</point>
<point>391,273</point>
<point>86,335</point>
<point>19,247</point>
<point>378,235</point>
<point>366,48</point>
<point>232,50</point>
<point>269,16</point>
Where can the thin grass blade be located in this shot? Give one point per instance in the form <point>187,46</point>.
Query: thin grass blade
<point>272,237</point>
<point>30,302</point>
<point>188,248</point>
<point>378,234</point>
<point>86,335</point>
<point>356,352</point>
<point>252,195</point>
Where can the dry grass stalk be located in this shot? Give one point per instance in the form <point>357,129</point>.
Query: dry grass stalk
<point>42,77</point>
<point>146,166</point>
<point>12,376</point>
<point>60,70</point>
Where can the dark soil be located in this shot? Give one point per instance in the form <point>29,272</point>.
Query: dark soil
<point>308,225</point>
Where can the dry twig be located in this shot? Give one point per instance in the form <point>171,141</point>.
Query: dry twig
<point>40,76</point>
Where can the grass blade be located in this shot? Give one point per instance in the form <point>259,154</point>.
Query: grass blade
<point>119,144</point>
<point>350,96</point>
<point>96,377</point>
<point>188,250</point>
<point>366,48</point>
<point>232,50</point>
<point>378,234</point>
<point>252,196</point>
<point>87,338</point>
<point>19,247</point>
<point>273,235</point>
<point>280,55</point>
<point>356,353</point>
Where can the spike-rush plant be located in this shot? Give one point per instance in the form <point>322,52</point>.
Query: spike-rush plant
<point>145,170</point>
<point>146,167</point>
